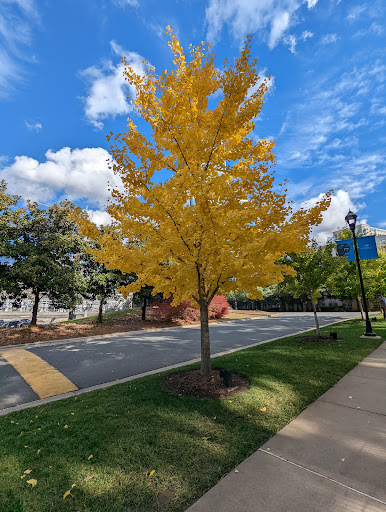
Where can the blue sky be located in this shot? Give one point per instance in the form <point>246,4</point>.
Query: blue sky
<point>62,91</point>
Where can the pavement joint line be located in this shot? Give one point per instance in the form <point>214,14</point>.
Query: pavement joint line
<point>43,378</point>
<point>322,476</point>
<point>348,407</point>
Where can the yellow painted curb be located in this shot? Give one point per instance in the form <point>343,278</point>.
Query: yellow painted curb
<point>43,378</point>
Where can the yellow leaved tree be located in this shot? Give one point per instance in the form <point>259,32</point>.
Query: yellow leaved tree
<point>216,216</point>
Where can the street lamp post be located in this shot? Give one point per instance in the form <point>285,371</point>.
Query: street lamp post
<point>351,220</point>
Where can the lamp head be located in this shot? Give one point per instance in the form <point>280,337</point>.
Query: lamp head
<point>351,220</point>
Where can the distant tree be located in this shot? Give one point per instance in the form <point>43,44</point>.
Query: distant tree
<point>201,132</point>
<point>313,268</point>
<point>144,296</point>
<point>40,250</point>
<point>99,283</point>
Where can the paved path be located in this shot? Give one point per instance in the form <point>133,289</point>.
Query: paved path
<point>96,360</point>
<point>331,458</point>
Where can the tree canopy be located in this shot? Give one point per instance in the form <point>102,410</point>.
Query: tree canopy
<point>218,213</point>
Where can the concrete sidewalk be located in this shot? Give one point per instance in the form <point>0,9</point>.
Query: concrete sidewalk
<point>331,458</point>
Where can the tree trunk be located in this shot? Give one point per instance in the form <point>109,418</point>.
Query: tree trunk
<point>144,309</point>
<point>35,308</point>
<point>315,315</point>
<point>100,312</point>
<point>206,367</point>
<point>360,307</point>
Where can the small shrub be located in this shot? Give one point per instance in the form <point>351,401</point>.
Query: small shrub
<point>165,312</point>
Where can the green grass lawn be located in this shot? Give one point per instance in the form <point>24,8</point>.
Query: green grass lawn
<point>107,317</point>
<point>154,451</point>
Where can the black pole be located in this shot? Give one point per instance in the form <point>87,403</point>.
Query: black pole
<point>369,330</point>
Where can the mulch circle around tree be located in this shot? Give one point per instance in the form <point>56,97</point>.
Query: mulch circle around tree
<point>192,383</point>
<point>321,339</point>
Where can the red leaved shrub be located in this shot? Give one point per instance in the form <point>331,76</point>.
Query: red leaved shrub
<point>165,312</point>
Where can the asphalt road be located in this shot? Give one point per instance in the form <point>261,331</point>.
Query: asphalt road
<point>101,359</point>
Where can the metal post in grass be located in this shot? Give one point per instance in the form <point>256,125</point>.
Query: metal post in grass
<point>351,220</point>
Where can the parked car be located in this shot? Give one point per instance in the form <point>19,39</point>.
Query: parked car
<point>25,321</point>
<point>14,324</point>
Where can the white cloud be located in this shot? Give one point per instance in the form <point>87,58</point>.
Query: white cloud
<point>272,17</point>
<point>16,21</point>
<point>324,134</point>
<point>306,35</point>
<point>333,217</point>
<point>124,3</point>
<point>99,217</point>
<point>329,38</point>
<point>108,90</point>
<point>290,41</point>
<point>355,12</point>
<point>36,127</point>
<point>71,174</point>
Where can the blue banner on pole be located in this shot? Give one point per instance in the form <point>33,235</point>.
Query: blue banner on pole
<point>366,246</point>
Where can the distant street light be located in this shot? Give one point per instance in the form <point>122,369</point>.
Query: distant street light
<point>351,220</point>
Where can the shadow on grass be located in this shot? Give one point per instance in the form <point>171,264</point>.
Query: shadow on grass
<point>155,451</point>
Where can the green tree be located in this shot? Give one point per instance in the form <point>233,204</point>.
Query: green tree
<point>313,268</point>
<point>41,249</point>
<point>100,283</point>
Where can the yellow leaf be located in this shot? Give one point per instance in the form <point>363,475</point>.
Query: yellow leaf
<point>67,493</point>
<point>72,413</point>
<point>65,426</point>
<point>214,417</point>
<point>12,421</point>
<point>263,409</point>
<point>350,397</point>
<point>38,450</point>
<point>152,472</point>
<point>90,457</point>
<point>236,470</point>
<point>27,471</point>
<point>23,476</point>
<point>343,460</point>
<point>73,485</point>
<point>33,482</point>
<point>230,401</point>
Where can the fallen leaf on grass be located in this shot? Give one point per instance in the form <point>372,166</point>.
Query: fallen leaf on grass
<point>65,426</point>
<point>230,401</point>
<point>33,482</point>
<point>23,476</point>
<point>27,471</point>
<point>263,409</point>
<point>152,473</point>
<point>206,438</point>
<point>90,457</point>
<point>290,403</point>
<point>38,451</point>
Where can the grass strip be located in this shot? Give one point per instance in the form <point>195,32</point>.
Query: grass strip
<point>136,448</point>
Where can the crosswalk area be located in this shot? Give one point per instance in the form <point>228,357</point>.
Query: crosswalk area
<point>43,378</point>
